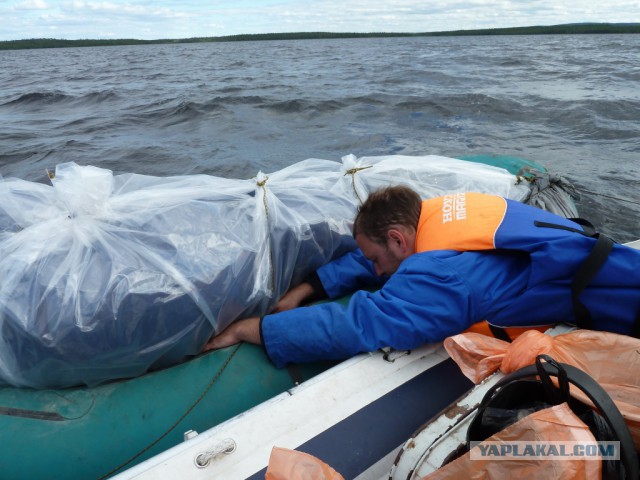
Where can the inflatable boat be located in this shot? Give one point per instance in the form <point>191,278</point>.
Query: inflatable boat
<point>378,416</point>
<point>85,400</point>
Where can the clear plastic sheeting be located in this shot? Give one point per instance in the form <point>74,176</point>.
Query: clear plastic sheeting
<point>106,277</point>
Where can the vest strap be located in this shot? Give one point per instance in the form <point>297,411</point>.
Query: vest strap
<point>588,269</point>
<point>507,334</point>
<point>583,277</point>
<point>635,328</point>
<point>499,332</point>
<point>588,227</point>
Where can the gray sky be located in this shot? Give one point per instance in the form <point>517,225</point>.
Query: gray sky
<point>155,19</point>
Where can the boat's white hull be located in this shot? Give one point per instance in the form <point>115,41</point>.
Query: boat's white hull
<point>355,417</point>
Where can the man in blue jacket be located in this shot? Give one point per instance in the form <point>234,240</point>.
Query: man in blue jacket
<point>429,269</point>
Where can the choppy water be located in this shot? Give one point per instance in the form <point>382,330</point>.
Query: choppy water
<point>571,103</point>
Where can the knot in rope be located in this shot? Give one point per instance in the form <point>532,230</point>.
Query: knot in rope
<point>263,184</point>
<point>353,171</point>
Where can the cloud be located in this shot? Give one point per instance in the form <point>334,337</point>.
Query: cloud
<point>32,5</point>
<point>118,9</point>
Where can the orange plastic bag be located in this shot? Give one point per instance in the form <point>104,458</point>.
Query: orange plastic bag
<point>285,464</point>
<point>612,360</point>
<point>554,425</point>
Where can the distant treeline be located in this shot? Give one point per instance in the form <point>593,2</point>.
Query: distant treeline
<point>578,28</point>
<point>569,29</point>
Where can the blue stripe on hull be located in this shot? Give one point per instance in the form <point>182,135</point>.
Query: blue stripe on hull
<point>360,440</point>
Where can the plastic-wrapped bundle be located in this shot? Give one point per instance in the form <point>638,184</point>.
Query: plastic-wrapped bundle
<point>106,277</point>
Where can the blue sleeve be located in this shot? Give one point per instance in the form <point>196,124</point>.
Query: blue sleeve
<point>424,301</point>
<point>349,273</point>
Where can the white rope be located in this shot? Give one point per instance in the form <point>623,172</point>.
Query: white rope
<point>227,446</point>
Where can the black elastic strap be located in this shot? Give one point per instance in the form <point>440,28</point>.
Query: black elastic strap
<point>499,332</point>
<point>588,269</point>
<point>635,328</point>
<point>598,396</point>
<point>588,227</point>
<point>557,395</point>
<point>583,277</point>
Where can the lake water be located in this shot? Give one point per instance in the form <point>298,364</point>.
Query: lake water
<point>570,103</point>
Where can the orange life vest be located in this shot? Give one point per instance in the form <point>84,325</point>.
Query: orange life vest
<point>466,222</point>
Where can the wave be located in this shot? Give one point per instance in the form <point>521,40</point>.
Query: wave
<point>616,110</point>
<point>238,100</point>
<point>178,110</point>
<point>46,98</point>
<point>58,97</point>
<point>513,62</point>
<point>465,104</point>
<point>594,121</point>
<point>304,106</point>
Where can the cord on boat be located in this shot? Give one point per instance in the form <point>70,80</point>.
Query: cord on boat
<point>611,197</point>
<point>352,172</point>
<point>182,417</point>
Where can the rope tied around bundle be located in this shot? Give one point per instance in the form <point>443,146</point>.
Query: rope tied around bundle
<point>263,184</point>
<point>352,172</point>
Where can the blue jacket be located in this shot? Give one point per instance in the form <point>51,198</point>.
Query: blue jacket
<point>526,280</point>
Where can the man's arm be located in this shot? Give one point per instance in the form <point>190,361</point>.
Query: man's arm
<point>409,311</point>
<point>413,308</point>
<point>312,289</point>
<point>340,277</point>
<point>247,330</point>
<point>432,296</point>
<point>351,272</point>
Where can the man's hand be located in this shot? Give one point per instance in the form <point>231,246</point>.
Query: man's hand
<point>247,330</point>
<point>293,298</point>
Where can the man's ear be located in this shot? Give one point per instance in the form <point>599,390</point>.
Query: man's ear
<point>397,237</point>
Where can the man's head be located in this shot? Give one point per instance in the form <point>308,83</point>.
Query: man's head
<point>385,227</point>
